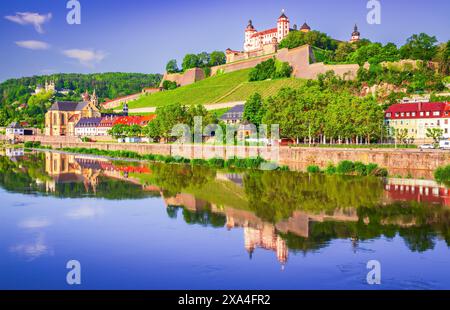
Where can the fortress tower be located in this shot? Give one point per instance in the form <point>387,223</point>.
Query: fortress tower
<point>255,40</point>
<point>282,26</point>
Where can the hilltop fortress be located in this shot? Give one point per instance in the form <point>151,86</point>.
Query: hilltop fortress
<point>260,46</point>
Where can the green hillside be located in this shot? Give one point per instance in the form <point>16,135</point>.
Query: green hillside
<point>227,87</point>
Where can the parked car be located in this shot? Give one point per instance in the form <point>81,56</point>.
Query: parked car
<point>426,146</point>
<point>444,145</point>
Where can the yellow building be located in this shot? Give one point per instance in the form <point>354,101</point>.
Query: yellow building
<point>61,118</point>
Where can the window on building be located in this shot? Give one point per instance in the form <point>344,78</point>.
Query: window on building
<point>413,113</point>
<point>436,113</point>
<point>388,114</point>
<point>407,114</point>
<point>421,113</point>
<point>427,113</point>
<point>402,114</point>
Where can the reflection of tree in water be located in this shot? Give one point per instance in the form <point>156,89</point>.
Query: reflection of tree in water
<point>376,222</point>
<point>21,176</point>
<point>274,196</point>
<point>204,217</point>
<point>174,178</point>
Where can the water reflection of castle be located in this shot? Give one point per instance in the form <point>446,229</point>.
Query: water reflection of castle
<point>257,232</point>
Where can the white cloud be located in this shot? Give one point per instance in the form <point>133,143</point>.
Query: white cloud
<point>84,212</point>
<point>85,57</point>
<point>33,45</point>
<point>33,223</point>
<point>33,249</point>
<point>28,18</point>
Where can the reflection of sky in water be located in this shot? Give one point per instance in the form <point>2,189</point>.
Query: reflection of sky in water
<point>135,245</point>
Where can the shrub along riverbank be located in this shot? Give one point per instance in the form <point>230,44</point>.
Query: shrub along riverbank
<point>442,175</point>
<point>234,162</point>
<point>347,167</point>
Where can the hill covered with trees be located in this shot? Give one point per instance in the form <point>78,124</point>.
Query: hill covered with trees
<point>17,102</point>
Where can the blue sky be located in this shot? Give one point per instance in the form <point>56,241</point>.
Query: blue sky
<point>142,35</point>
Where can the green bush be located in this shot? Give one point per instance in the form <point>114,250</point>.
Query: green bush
<point>345,167</point>
<point>330,169</point>
<point>32,144</point>
<point>199,162</point>
<point>216,162</point>
<point>270,69</point>
<point>442,174</point>
<point>360,168</point>
<point>169,85</point>
<point>313,169</point>
<point>371,168</point>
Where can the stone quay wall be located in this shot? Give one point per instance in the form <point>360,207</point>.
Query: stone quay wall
<point>297,158</point>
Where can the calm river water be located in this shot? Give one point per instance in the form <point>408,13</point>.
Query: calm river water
<point>155,226</point>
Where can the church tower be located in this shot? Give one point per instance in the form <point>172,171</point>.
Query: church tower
<point>94,99</point>
<point>356,36</point>
<point>282,26</point>
<point>249,32</point>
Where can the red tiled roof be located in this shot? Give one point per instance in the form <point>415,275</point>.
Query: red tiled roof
<point>417,108</point>
<point>261,33</point>
<point>134,120</point>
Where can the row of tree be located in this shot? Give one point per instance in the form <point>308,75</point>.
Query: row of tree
<point>202,60</point>
<point>310,113</point>
<point>417,47</point>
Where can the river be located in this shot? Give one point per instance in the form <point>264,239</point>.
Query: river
<point>134,225</point>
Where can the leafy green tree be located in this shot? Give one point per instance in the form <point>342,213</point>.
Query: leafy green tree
<point>167,117</point>
<point>343,51</point>
<point>169,85</point>
<point>119,131</point>
<point>172,66</point>
<point>254,109</point>
<point>443,58</point>
<point>313,38</point>
<point>203,59</point>
<point>190,61</point>
<point>217,58</point>
<point>435,134</point>
<point>401,135</point>
<point>419,46</point>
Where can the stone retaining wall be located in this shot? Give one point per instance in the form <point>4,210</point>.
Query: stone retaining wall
<point>296,157</point>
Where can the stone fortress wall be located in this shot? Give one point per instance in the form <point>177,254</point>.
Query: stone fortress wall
<point>300,58</point>
<point>182,79</point>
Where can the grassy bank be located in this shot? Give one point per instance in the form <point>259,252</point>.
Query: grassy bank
<point>347,167</point>
<point>228,87</point>
<point>235,162</point>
